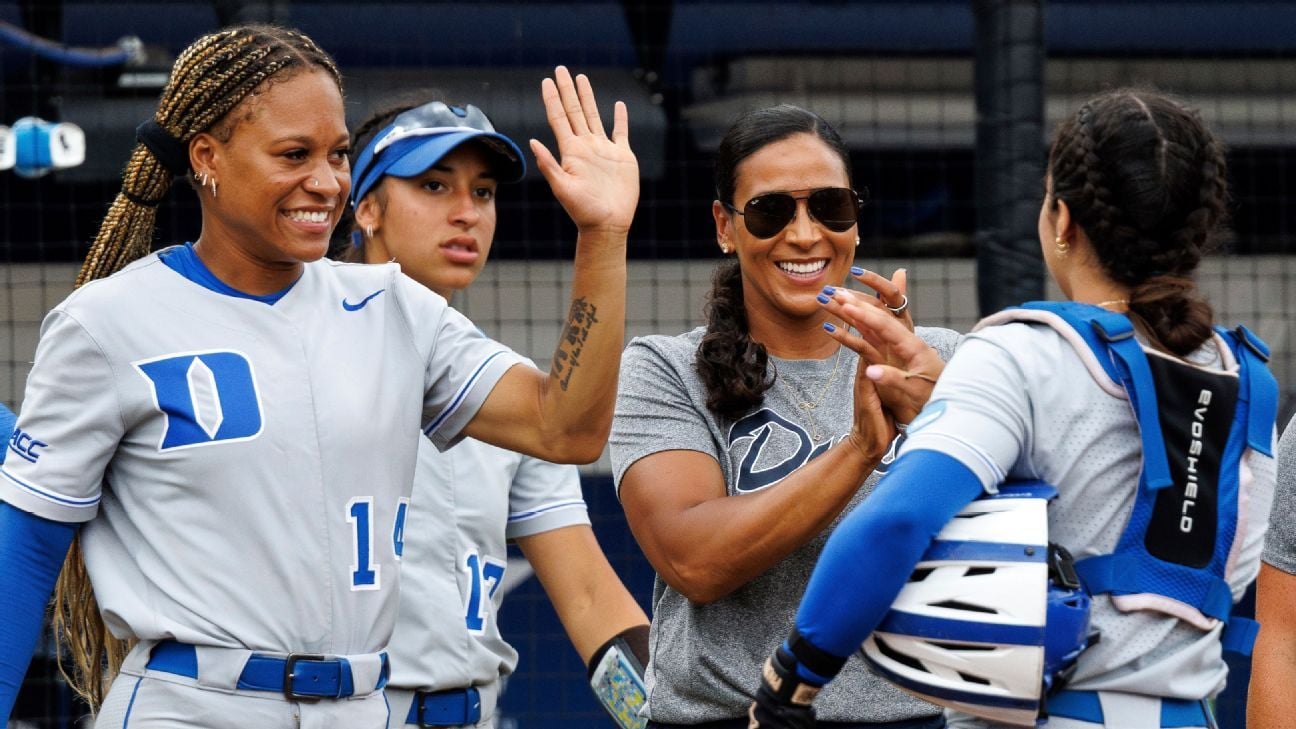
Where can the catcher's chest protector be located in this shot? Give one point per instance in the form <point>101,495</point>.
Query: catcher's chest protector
<point>1195,424</point>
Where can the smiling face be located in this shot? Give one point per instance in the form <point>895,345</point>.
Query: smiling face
<point>783,274</point>
<point>282,177</point>
<point>438,225</point>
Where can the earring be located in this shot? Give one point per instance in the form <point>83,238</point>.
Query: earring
<point>857,241</point>
<point>213,185</point>
<point>1062,246</point>
<point>369,231</point>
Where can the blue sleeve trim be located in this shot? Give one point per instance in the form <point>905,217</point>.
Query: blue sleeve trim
<point>31,555</point>
<point>459,396</point>
<point>852,587</point>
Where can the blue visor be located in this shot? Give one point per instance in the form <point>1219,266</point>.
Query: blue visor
<point>417,139</point>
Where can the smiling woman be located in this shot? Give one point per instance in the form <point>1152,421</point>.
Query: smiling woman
<point>286,179</point>
<point>737,446</point>
<point>240,436</point>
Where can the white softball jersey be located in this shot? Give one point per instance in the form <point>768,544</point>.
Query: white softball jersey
<point>242,466</point>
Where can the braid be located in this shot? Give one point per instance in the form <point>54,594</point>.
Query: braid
<point>1147,181</point>
<point>208,82</point>
<point>732,366</point>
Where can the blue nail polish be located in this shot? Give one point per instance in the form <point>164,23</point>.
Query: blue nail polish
<point>822,299</point>
<point>829,290</point>
<point>828,326</point>
<point>857,271</point>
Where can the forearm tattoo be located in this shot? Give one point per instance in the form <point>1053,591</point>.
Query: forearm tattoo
<point>580,320</point>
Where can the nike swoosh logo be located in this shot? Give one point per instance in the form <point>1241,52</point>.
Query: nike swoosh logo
<point>357,307</point>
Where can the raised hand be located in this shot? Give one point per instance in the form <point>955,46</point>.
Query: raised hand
<point>597,180</point>
<point>902,366</point>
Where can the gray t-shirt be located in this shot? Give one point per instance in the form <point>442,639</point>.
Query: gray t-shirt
<point>1280,543</point>
<point>706,659</point>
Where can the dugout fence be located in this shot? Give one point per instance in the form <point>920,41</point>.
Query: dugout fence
<point>899,79</point>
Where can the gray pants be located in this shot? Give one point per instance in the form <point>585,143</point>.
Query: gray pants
<point>156,700</point>
<point>1119,711</point>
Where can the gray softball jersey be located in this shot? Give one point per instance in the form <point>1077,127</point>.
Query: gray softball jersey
<point>468,502</point>
<point>241,465</point>
<point>706,659</point>
<point>1018,402</point>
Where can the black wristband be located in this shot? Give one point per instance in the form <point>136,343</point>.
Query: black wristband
<point>821,662</point>
<point>635,639</point>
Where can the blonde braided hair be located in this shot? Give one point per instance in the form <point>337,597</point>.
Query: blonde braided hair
<point>209,81</point>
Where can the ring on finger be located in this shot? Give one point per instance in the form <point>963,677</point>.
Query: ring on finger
<point>898,310</point>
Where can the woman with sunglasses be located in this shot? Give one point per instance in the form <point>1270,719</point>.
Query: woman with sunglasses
<point>736,446</point>
<point>424,197</point>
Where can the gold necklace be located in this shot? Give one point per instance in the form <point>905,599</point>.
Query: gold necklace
<point>1105,304</point>
<point>808,406</point>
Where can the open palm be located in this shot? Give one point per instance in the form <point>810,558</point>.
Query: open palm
<point>597,180</point>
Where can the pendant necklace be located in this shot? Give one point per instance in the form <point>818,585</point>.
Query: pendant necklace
<point>807,405</point>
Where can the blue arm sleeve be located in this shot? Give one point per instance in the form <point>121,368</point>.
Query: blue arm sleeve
<point>872,553</point>
<point>7,422</point>
<point>31,553</point>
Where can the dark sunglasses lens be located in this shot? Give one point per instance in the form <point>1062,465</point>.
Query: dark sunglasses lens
<point>766,215</point>
<point>837,208</point>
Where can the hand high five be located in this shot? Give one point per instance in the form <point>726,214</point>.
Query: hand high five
<point>597,180</point>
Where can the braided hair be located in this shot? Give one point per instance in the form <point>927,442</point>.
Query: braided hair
<point>733,366</point>
<point>208,83</point>
<point>1147,181</point>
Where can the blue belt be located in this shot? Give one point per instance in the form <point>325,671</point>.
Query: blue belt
<point>1085,706</point>
<point>457,707</point>
<point>299,677</point>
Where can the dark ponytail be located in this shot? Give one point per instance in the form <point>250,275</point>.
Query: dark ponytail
<point>1147,181</point>
<point>733,367</point>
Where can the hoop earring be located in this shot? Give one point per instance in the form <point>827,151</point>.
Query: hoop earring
<point>213,186</point>
<point>369,231</point>
<point>1063,247</point>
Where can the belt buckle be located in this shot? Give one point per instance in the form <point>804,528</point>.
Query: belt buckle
<point>289,663</point>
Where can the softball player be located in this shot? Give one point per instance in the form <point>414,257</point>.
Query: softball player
<point>234,420</point>
<point>1177,497</point>
<point>736,446</point>
<point>427,202</point>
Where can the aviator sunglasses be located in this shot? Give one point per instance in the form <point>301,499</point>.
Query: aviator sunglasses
<point>836,208</point>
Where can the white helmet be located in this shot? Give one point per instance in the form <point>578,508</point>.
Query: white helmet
<point>993,617</point>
